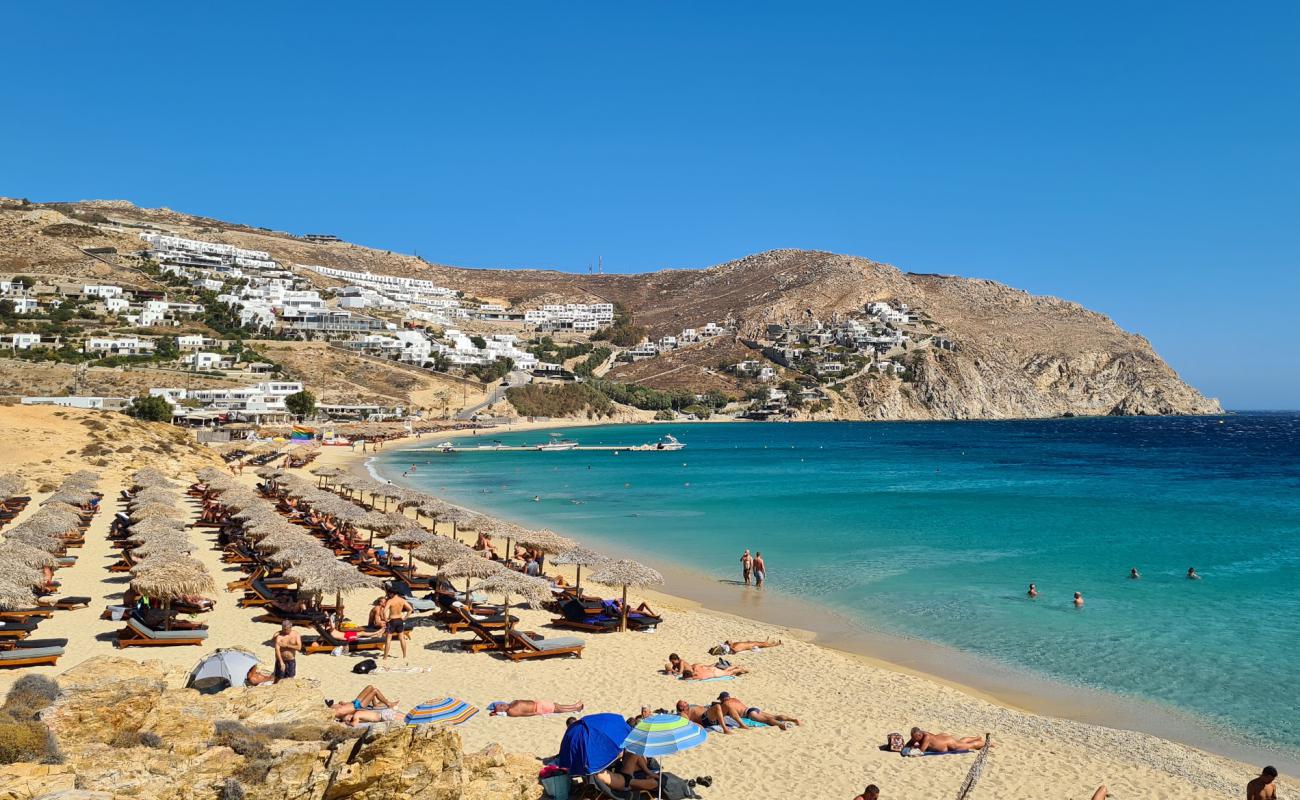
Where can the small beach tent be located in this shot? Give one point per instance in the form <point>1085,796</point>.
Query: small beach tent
<point>592,743</point>
<point>662,735</point>
<point>446,711</point>
<point>222,669</point>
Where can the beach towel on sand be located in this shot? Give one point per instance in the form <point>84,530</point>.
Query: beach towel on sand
<point>749,723</point>
<point>710,680</point>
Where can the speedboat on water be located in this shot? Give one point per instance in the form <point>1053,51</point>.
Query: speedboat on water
<point>557,442</point>
<point>669,442</point>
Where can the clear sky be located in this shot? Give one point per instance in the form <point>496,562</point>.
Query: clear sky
<point>1140,158</point>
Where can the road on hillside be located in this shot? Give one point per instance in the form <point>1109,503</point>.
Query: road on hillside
<point>514,378</point>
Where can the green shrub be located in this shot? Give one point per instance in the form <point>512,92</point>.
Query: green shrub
<point>243,740</point>
<point>562,400</point>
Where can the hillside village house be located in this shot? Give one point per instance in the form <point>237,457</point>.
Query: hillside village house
<point>201,360</point>
<point>22,341</point>
<point>120,346</point>
<point>24,305</point>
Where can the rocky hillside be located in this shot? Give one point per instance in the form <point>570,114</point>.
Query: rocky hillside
<point>116,728</point>
<point>1017,355</point>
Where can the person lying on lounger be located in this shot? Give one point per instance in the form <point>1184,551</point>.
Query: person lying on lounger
<point>731,647</point>
<point>739,710</point>
<point>702,672</point>
<point>370,699</point>
<point>615,608</point>
<point>531,708</point>
<point>943,742</point>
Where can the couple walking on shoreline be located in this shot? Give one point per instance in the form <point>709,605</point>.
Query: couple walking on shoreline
<point>753,566</point>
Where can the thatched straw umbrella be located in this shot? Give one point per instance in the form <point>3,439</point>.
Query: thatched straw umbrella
<point>49,542</point>
<point>59,522</point>
<point>170,580</point>
<point>210,474</point>
<point>83,477</point>
<point>155,525</point>
<point>580,557</point>
<point>322,577</point>
<point>159,558</point>
<point>11,485</point>
<point>410,537</point>
<point>149,476</point>
<point>14,596</point>
<point>442,551</point>
<point>23,575</point>
<point>148,510</point>
<point>326,474</point>
<point>27,555</point>
<point>469,567</point>
<point>154,494</point>
<point>533,591</point>
<point>72,496</point>
<point>546,541</point>
<point>159,544</point>
<point>627,573</point>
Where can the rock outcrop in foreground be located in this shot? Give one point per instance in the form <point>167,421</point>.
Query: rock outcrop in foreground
<point>127,729</point>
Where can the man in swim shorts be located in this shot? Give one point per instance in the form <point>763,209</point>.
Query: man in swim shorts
<point>746,565</point>
<point>738,710</point>
<point>531,708</point>
<point>396,609</point>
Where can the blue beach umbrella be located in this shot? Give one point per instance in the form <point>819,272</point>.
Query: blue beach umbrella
<point>446,711</point>
<point>662,735</point>
<point>592,743</point>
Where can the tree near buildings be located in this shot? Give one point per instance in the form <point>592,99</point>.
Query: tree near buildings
<point>301,404</point>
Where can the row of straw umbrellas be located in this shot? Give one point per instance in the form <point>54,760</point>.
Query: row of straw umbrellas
<point>454,559</point>
<point>39,542</point>
<point>162,565</point>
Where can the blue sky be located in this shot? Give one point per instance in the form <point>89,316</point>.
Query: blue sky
<point>1140,158</point>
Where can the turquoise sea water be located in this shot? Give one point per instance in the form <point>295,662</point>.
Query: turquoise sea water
<point>934,530</point>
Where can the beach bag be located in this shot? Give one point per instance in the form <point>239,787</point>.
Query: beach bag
<point>896,742</point>
<point>365,666</point>
<point>716,650</point>
<point>723,664</point>
<point>674,787</point>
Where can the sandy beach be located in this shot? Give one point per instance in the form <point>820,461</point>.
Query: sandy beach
<point>847,705</point>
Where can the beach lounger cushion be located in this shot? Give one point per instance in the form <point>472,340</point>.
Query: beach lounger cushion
<point>149,633</point>
<point>27,653</point>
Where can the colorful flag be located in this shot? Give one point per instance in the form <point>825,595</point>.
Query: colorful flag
<point>302,434</point>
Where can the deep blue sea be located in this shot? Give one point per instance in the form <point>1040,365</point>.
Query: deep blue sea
<point>934,531</point>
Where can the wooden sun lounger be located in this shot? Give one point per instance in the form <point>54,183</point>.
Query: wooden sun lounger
<point>137,634</point>
<point>524,644</point>
<point>485,640</point>
<point>31,656</point>
<point>463,619</point>
<point>26,613</point>
<point>16,630</point>
<point>66,603</point>
<point>324,643</point>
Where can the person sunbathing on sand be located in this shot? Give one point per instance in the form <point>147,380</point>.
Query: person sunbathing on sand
<point>370,699</point>
<point>702,672</point>
<point>729,647</point>
<point>943,742</point>
<point>369,716</point>
<point>530,708</point>
<point>738,710</point>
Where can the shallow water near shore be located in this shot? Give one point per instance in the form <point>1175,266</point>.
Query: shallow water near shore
<point>932,531</point>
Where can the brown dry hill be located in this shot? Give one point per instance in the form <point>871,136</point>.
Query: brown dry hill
<point>59,441</point>
<point>1020,355</point>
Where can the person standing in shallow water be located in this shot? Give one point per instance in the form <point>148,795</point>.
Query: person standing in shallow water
<point>746,565</point>
<point>760,569</point>
<point>1191,574</point>
<point>1033,592</point>
<point>1078,599</point>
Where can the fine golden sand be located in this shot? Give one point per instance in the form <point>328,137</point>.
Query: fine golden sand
<point>847,706</point>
